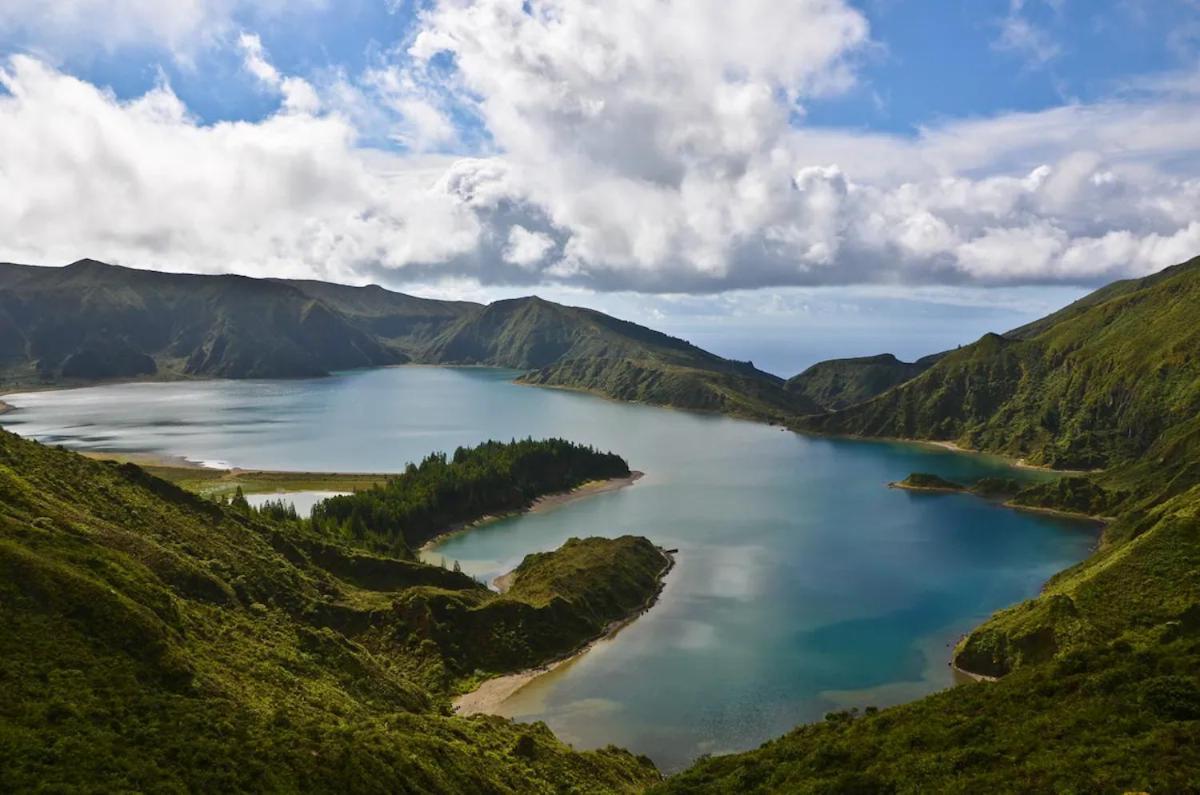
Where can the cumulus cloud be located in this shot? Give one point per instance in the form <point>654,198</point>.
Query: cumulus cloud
<point>1019,35</point>
<point>298,94</point>
<point>181,26</point>
<point>653,145</point>
<point>142,183</point>
<point>526,248</point>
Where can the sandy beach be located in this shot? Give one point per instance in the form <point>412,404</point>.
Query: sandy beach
<point>1102,520</point>
<point>1019,463</point>
<point>546,503</point>
<point>974,677</point>
<point>4,407</point>
<point>489,695</point>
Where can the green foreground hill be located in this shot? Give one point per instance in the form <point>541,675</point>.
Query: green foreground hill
<point>158,641</point>
<point>90,321</point>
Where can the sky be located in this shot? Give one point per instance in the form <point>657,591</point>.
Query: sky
<point>776,181</point>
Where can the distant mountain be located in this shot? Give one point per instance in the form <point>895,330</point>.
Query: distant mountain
<point>404,322</point>
<point>584,349</point>
<point>90,321</point>
<point>839,383</point>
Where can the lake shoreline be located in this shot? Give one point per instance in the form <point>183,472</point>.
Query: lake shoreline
<point>495,691</point>
<point>213,481</point>
<point>489,695</point>
<point>1103,521</point>
<point>542,504</point>
<point>974,677</point>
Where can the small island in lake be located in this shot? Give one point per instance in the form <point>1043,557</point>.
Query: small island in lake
<point>924,481</point>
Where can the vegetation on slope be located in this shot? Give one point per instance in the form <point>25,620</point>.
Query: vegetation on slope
<point>925,481</point>
<point>155,640</point>
<point>440,492</point>
<point>839,383</point>
<point>661,383</point>
<point>90,321</point>
<point>403,322</point>
<point>558,602</point>
<point>584,349</point>
<point>1096,389</point>
<point>1111,718</point>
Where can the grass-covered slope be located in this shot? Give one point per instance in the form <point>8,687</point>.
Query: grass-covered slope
<point>156,641</point>
<point>558,601</point>
<point>404,322</point>
<point>660,382</point>
<point>583,349</point>
<point>839,383</point>
<point>1097,388</point>
<point>90,321</point>
<point>1109,719</point>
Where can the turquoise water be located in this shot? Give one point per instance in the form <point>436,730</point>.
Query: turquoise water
<point>803,584</point>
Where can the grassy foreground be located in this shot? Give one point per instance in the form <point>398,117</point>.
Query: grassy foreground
<point>155,640</point>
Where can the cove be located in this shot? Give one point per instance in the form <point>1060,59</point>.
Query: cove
<point>802,584</point>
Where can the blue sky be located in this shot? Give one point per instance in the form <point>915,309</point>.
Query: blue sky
<point>796,179</point>
<point>929,60</point>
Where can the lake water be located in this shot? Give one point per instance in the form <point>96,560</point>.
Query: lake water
<point>803,583</point>
<point>302,501</point>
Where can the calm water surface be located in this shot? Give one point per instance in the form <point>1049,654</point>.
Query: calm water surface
<point>803,584</point>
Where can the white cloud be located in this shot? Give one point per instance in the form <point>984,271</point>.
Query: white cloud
<point>298,94</point>
<point>1021,36</point>
<point>142,183</point>
<point>526,248</point>
<point>180,26</point>
<point>642,145</point>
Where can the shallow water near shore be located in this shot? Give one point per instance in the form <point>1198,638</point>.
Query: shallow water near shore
<point>802,584</point>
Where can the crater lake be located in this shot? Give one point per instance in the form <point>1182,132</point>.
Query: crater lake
<point>803,584</point>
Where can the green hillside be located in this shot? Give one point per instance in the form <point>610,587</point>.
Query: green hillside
<point>404,322</point>
<point>839,383</point>
<point>1097,388</point>
<point>89,321</point>
<point>92,322</point>
<point>157,641</point>
<point>583,349</point>
<point>1112,718</point>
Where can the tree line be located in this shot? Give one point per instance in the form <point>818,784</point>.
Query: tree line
<point>442,491</point>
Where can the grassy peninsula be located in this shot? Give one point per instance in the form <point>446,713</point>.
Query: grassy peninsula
<point>158,640</point>
<point>924,481</point>
<point>442,491</point>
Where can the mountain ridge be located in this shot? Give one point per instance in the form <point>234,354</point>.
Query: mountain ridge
<point>90,321</point>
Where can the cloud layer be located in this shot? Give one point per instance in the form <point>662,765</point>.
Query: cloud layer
<point>653,145</point>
